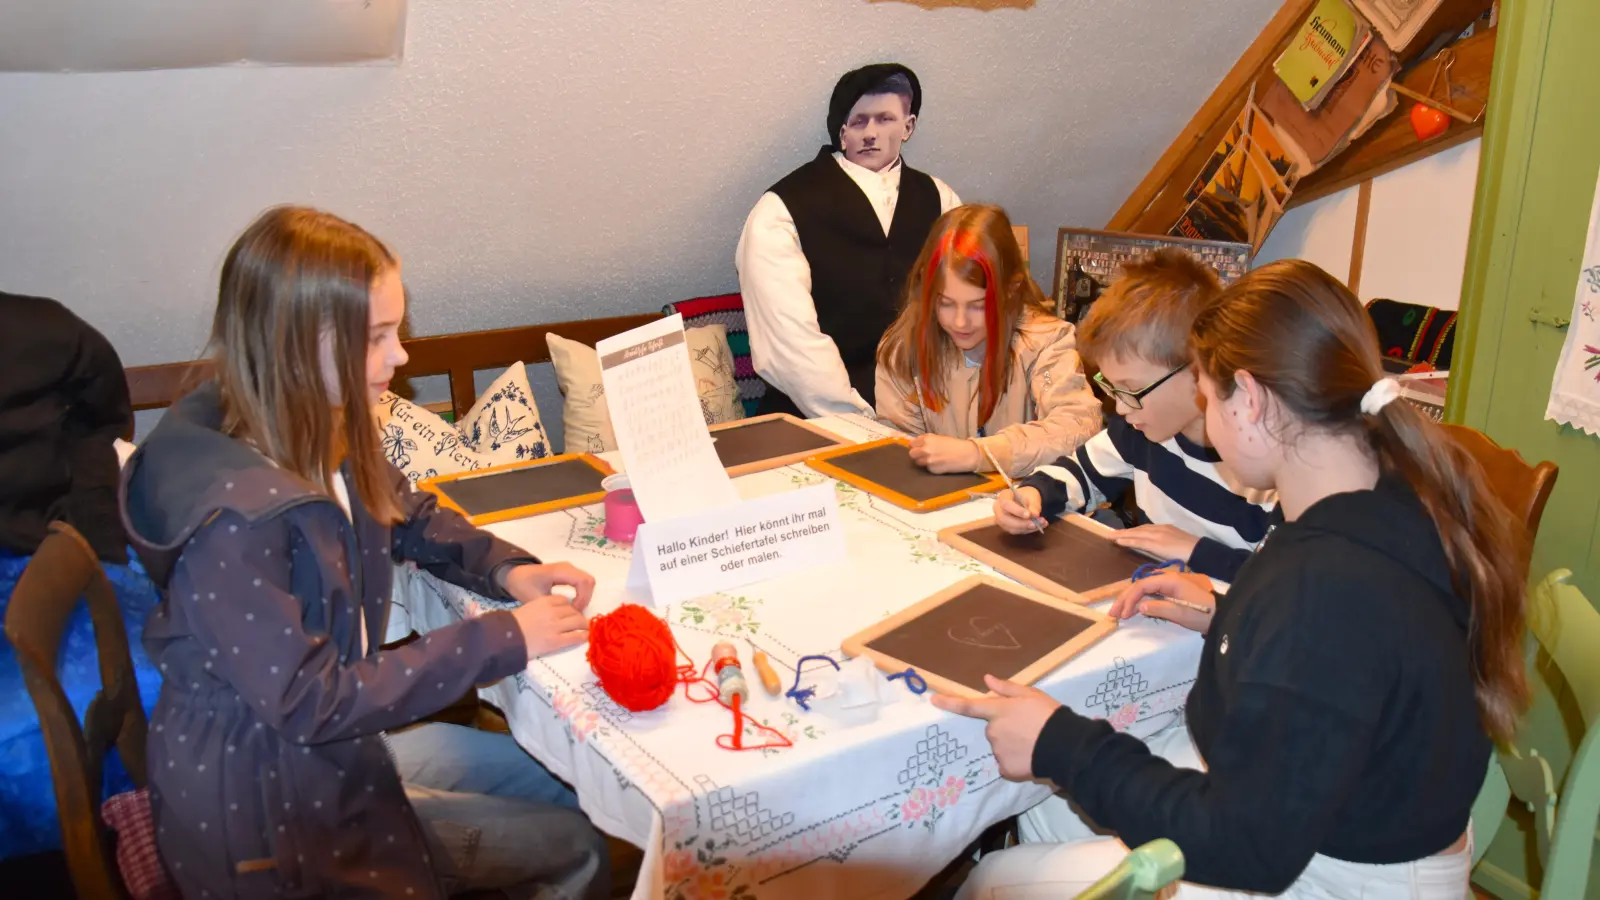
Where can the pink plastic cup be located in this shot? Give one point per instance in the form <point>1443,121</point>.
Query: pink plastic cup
<point>623,517</point>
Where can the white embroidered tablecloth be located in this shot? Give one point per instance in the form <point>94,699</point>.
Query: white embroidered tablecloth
<point>865,811</point>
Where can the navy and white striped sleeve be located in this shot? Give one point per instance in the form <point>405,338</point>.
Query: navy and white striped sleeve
<point>1097,473</point>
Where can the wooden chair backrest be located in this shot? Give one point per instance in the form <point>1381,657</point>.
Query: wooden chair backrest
<point>63,569</point>
<point>457,356</point>
<point>1524,489</point>
<point>1021,233</point>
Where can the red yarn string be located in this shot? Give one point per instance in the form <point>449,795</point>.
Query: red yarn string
<point>740,719</point>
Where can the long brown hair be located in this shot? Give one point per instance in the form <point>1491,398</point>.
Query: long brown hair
<point>293,275</point>
<point>977,244</point>
<point>1307,340</point>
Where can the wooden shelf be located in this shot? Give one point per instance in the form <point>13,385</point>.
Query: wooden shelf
<point>1391,143</point>
<point>1158,201</point>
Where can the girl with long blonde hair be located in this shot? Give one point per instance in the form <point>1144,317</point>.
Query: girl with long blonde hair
<point>263,510</point>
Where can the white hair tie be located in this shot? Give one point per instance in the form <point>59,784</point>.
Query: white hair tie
<point>1379,395</point>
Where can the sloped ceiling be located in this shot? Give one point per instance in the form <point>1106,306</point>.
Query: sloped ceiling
<point>575,158</point>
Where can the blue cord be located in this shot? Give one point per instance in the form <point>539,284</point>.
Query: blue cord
<point>914,682</point>
<point>802,695</point>
<point>1151,568</point>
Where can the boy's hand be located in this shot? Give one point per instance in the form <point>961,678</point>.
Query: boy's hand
<point>1017,512</point>
<point>1161,541</point>
<point>941,455</point>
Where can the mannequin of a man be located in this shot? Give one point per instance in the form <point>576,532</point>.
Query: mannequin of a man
<point>825,252</point>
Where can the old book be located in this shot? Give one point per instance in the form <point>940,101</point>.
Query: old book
<point>1397,21</point>
<point>1327,43</point>
<point>1320,132</point>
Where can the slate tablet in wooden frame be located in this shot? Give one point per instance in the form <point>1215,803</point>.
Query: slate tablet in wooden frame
<point>767,442</point>
<point>519,490</point>
<point>1073,559</point>
<point>981,626</point>
<point>884,468</point>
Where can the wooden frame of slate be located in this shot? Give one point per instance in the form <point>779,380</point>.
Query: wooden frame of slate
<point>519,490</point>
<point>767,442</point>
<point>1073,559</point>
<point>880,470</point>
<point>981,626</point>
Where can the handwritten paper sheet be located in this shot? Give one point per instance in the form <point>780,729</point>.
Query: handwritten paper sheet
<point>125,35</point>
<point>666,448</point>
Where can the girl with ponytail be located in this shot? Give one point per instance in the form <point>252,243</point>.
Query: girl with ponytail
<point>975,365</point>
<point>1355,674</point>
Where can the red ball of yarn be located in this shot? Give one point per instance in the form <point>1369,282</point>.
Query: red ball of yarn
<point>633,653</point>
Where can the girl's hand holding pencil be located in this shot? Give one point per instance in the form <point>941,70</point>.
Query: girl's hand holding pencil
<point>1183,598</point>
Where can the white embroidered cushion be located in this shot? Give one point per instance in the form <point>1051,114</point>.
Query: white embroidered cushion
<point>587,419</point>
<point>502,427</point>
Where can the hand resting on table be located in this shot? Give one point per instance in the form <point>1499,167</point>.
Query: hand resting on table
<point>549,621</point>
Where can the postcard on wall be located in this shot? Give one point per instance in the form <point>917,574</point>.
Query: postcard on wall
<point>104,36</point>
<point>1241,191</point>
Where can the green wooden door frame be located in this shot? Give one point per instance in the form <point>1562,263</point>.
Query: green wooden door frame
<point>1524,33</point>
<point>1536,180</point>
<point>1536,183</point>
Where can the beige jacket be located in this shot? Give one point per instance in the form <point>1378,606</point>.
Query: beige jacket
<point>1047,411</point>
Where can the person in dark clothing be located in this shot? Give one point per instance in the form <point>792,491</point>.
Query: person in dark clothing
<point>1356,671</point>
<point>824,254</point>
<point>63,404</point>
<point>265,512</point>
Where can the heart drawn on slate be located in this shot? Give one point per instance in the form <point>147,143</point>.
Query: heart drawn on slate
<point>986,633</point>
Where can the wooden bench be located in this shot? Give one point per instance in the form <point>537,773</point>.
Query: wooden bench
<point>457,356</point>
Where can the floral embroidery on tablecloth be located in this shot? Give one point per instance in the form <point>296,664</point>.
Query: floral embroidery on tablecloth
<point>790,728</point>
<point>581,720</point>
<point>849,496</point>
<point>698,870</point>
<point>727,615</point>
<point>588,533</point>
<point>932,786</point>
<point>927,547</point>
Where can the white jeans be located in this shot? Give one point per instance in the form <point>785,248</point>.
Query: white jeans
<point>1062,855</point>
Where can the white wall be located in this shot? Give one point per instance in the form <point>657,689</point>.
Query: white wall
<point>1416,245</point>
<point>574,158</point>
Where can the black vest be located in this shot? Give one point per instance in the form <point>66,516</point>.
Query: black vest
<point>857,272</point>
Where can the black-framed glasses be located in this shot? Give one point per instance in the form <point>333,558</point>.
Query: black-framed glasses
<point>1133,399</point>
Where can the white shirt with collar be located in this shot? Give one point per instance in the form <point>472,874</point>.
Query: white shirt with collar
<point>787,347</point>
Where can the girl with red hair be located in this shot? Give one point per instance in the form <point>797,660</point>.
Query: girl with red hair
<point>976,365</point>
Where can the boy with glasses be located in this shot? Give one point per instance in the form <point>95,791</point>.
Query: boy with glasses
<point>1137,333</point>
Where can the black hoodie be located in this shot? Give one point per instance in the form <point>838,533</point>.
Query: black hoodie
<point>1334,709</point>
<point>63,404</point>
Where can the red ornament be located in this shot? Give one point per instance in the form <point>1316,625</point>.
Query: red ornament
<point>1428,122</point>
